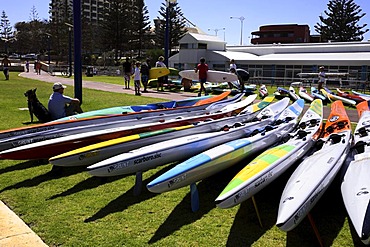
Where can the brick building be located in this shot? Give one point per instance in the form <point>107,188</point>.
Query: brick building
<point>283,34</point>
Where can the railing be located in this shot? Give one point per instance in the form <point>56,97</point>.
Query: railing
<point>307,82</point>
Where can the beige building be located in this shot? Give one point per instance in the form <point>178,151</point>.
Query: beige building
<point>92,10</point>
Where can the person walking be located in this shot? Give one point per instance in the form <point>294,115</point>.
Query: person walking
<point>6,64</point>
<point>144,69</point>
<point>160,63</point>
<point>202,69</point>
<point>137,78</point>
<point>127,71</point>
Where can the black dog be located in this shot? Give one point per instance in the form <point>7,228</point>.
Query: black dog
<point>35,107</point>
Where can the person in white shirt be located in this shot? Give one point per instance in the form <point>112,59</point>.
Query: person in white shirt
<point>322,77</point>
<point>60,105</point>
<point>160,63</point>
<point>137,78</point>
<point>232,69</point>
<point>232,65</point>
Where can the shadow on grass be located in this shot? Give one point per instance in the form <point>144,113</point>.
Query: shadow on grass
<point>208,189</point>
<point>182,214</point>
<point>89,183</point>
<point>356,239</point>
<point>127,199</point>
<point>52,174</point>
<point>23,165</point>
<point>34,122</point>
<point>246,228</point>
<point>329,217</point>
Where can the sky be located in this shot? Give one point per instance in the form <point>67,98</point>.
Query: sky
<point>213,16</point>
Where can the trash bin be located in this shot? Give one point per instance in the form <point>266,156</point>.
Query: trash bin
<point>89,71</point>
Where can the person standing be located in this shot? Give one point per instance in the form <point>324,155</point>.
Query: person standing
<point>60,105</point>
<point>144,69</point>
<point>233,70</point>
<point>127,71</point>
<point>202,69</point>
<point>137,78</point>
<point>232,65</point>
<point>27,66</point>
<point>322,77</point>
<point>38,67</point>
<point>6,64</point>
<point>160,63</point>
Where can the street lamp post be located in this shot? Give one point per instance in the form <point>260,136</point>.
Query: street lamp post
<point>77,49</point>
<point>49,36</point>
<point>216,31</point>
<point>241,18</point>
<point>167,33</point>
<point>70,27</point>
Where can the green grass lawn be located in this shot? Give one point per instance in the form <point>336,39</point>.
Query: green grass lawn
<point>75,209</point>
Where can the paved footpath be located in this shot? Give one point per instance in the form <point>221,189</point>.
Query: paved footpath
<point>352,113</point>
<point>13,231</point>
<point>108,87</point>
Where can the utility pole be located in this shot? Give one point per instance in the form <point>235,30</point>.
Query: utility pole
<point>241,18</point>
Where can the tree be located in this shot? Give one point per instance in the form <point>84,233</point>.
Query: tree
<point>115,28</point>
<point>125,28</point>
<point>6,33</point>
<point>58,28</point>
<point>31,37</point>
<point>34,16</point>
<point>176,25</point>
<point>341,23</point>
<point>141,35</point>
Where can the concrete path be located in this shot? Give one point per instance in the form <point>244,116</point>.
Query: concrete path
<point>108,87</point>
<point>352,113</point>
<point>14,232</point>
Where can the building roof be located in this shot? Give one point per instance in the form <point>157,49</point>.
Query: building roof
<point>237,56</point>
<point>197,37</point>
<point>356,59</point>
<point>334,53</point>
<point>195,30</point>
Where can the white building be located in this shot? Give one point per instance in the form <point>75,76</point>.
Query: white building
<point>276,62</point>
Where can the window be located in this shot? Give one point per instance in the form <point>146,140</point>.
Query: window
<point>194,46</point>
<point>183,46</point>
<point>219,67</point>
<point>307,69</point>
<point>202,46</point>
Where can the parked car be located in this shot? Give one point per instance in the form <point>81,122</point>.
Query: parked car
<point>31,56</point>
<point>14,56</point>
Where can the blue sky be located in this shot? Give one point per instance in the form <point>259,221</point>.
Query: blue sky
<point>211,15</point>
